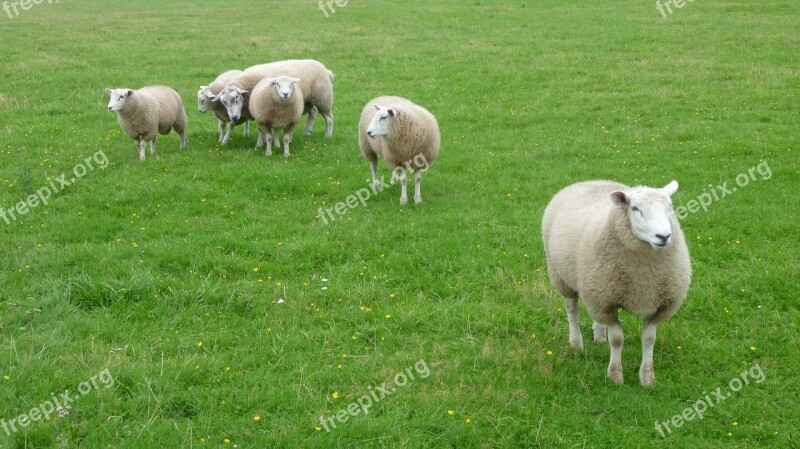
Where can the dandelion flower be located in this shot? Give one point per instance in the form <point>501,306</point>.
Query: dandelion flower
<point>335,395</point>
<point>451,412</point>
<point>6,377</point>
<point>256,418</point>
<point>199,344</point>
<point>227,441</point>
<point>549,353</point>
<point>735,424</point>
<point>468,421</point>
<point>391,296</point>
<point>752,349</point>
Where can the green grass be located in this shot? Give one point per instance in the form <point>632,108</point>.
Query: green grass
<point>134,265</point>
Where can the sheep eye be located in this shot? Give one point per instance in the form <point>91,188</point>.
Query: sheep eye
<point>636,209</point>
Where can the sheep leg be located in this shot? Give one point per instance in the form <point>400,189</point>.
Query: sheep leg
<point>260,136</point>
<point>575,338</point>
<point>227,137</point>
<point>373,167</point>
<point>647,374</point>
<point>615,340</point>
<point>223,125</point>
<point>268,140</point>
<point>153,146</point>
<point>141,145</point>
<point>247,128</point>
<point>312,116</point>
<point>599,332</point>
<point>182,133</point>
<point>417,186</point>
<point>404,187</point>
<point>287,138</point>
<point>328,124</point>
<point>276,139</point>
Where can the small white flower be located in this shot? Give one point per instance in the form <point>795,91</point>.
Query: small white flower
<point>281,301</point>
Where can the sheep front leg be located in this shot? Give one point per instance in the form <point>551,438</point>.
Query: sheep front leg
<point>328,124</point>
<point>268,140</point>
<point>287,138</point>
<point>222,126</point>
<point>615,340</point>
<point>647,374</point>
<point>276,139</point>
<point>260,136</point>
<point>247,128</point>
<point>227,137</point>
<point>373,167</point>
<point>575,338</point>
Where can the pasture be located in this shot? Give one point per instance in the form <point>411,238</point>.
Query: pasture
<point>199,299</point>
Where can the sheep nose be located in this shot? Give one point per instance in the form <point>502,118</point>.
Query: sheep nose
<point>664,238</point>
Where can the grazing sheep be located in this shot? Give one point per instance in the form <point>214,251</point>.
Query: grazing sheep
<point>276,103</point>
<point>617,247</point>
<point>316,82</point>
<point>146,112</point>
<point>205,103</point>
<point>404,134</point>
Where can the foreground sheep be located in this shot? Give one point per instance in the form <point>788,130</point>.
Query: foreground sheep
<point>146,112</point>
<point>276,103</point>
<point>316,82</point>
<point>206,103</point>
<point>617,247</point>
<point>404,134</point>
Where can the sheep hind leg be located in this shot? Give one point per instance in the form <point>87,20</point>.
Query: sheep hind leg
<point>153,146</point>
<point>615,341</point>
<point>647,375</point>
<point>403,187</point>
<point>268,140</point>
<point>575,338</point>
<point>141,146</point>
<point>312,116</point>
<point>599,331</point>
<point>287,138</point>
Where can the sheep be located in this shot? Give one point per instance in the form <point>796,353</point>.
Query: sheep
<point>617,247</point>
<point>276,103</point>
<point>146,112</point>
<point>205,103</point>
<point>404,134</point>
<point>316,82</point>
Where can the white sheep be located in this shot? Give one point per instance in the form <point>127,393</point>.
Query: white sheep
<point>146,112</point>
<point>316,82</point>
<point>404,134</point>
<point>276,103</point>
<point>617,247</point>
<point>205,103</point>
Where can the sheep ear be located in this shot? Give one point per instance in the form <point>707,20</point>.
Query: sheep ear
<point>108,91</point>
<point>670,188</point>
<point>391,112</point>
<point>130,92</point>
<point>619,198</point>
<point>378,108</point>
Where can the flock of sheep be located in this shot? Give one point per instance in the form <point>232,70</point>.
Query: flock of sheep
<point>612,245</point>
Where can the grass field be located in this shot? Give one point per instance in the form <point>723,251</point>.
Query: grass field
<point>197,299</point>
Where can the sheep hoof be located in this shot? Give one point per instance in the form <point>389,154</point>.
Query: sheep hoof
<point>403,200</point>
<point>417,199</point>
<point>647,376</point>
<point>615,373</point>
<point>306,132</point>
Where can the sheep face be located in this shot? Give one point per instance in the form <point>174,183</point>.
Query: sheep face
<point>118,99</point>
<point>649,212</point>
<point>232,98</point>
<point>284,86</point>
<point>204,96</point>
<point>379,126</point>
